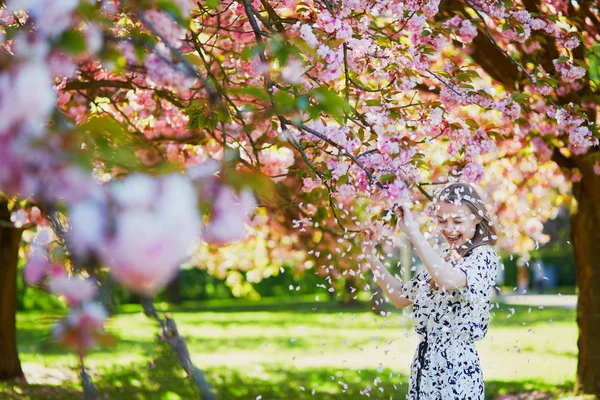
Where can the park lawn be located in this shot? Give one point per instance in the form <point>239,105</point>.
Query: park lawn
<point>292,349</point>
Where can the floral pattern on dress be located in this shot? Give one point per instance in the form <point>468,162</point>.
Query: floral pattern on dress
<point>449,322</point>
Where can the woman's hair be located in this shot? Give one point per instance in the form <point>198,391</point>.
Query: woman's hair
<point>465,194</point>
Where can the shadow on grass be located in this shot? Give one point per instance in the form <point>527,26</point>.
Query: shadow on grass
<point>302,305</point>
<point>34,328</point>
<point>309,306</point>
<point>163,380</point>
<point>530,315</point>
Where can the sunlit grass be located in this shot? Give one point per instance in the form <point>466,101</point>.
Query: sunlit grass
<point>287,349</point>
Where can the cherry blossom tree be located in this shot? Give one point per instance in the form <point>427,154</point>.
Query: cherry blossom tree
<point>138,129</point>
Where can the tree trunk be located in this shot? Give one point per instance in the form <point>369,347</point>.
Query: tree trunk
<point>10,240</point>
<point>173,290</point>
<point>586,246</point>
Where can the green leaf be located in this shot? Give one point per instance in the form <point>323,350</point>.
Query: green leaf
<point>106,141</point>
<point>199,118</point>
<point>173,10</point>
<point>467,75</point>
<point>72,42</point>
<point>321,214</point>
<point>552,82</point>
<point>473,124</point>
<point>256,92</point>
<point>330,103</point>
<point>261,184</point>
<point>444,74</point>
<point>518,96</point>
<point>284,101</point>
<point>373,102</point>
<point>214,4</point>
<point>387,178</point>
<point>253,51</point>
<point>593,57</point>
<point>302,103</point>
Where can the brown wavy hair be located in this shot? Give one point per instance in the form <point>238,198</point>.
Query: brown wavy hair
<point>465,194</point>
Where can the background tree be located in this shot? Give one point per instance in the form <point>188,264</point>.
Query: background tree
<point>331,112</point>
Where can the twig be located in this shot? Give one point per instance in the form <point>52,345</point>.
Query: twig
<point>191,70</point>
<point>170,334</point>
<point>89,390</point>
<point>504,52</point>
<point>340,148</point>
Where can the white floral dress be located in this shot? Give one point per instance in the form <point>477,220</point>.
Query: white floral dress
<point>448,322</point>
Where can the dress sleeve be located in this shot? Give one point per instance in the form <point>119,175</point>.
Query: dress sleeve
<point>480,268</point>
<point>413,287</point>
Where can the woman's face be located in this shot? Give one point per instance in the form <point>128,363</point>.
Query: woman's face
<point>456,223</point>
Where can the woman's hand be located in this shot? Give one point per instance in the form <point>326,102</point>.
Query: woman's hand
<point>406,220</point>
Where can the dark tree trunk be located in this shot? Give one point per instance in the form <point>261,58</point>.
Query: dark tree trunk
<point>586,246</point>
<point>173,290</point>
<point>10,240</point>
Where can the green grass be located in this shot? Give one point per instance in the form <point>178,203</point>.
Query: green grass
<point>292,349</point>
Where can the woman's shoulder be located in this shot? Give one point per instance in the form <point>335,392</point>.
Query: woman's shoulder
<point>483,250</point>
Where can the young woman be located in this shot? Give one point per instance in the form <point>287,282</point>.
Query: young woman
<point>450,296</point>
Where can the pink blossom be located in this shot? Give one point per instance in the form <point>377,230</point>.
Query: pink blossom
<point>74,289</point>
<point>52,16</point>
<point>88,225</point>
<point>71,184</point>
<point>26,97</point>
<point>165,74</point>
<point>293,71</point>
<point>37,265</point>
<point>231,213</point>
<point>531,46</point>
<point>431,7</point>
<point>568,70</point>
<point>275,162</point>
<point>533,228</point>
<point>169,29</point>
<point>128,51</point>
<point>90,315</point>
<point>569,42</point>
<point>185,6</point>
<point>397,192</point>
<point>309,184</point>
<point>473,172</point>
<point>153,231</point>
<point>345,194</point>
<point>93,38</point>
<point>307,34</point>
<point>82,328</point>
<point>203,171</point>
<point>512,111</point>
<point>60,65</point>
<point>541,148</point>
<point>386,145</point>
<point>467,31</point>
<point>575,176</point>
<point>537,24</point>
<point>582,137</point>
<point>597,167</point>
<point>522,16</point>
